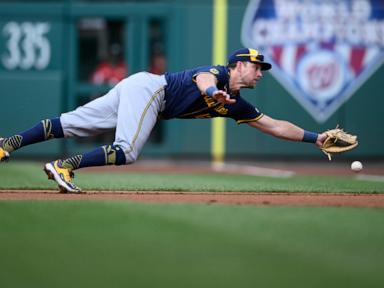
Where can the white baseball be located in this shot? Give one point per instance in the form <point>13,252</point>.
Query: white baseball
<point>356,166</point>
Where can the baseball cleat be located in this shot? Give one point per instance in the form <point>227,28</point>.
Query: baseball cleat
<point>4,155</point>
<point>62,176</point>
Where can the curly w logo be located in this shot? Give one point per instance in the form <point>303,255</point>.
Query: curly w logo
<point>321,51</point>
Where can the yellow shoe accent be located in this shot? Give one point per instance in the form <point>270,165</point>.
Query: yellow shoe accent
<point>62,176</point>
<point>4,155</point>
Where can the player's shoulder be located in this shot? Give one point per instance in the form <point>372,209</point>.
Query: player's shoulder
<point>214,69</point>
<point>220,72</point>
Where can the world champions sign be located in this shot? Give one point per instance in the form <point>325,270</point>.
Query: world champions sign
<point>321,51</point>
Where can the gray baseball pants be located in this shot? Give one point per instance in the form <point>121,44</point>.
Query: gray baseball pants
<point>132,107</point>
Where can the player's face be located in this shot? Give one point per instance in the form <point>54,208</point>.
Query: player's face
<point>250,74</point>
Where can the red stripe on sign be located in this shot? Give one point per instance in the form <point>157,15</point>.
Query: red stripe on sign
<point>300,51</point>
<point>276,54</point>
<point>356,59</point>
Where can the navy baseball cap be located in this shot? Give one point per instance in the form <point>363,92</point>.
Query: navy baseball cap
<point>249,55</point>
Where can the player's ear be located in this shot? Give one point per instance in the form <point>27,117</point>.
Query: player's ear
<point>239,65</point>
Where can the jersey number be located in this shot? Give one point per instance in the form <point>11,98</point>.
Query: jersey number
<point>27,46</point>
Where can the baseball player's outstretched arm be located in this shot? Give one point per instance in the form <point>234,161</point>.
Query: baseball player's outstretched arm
<point>286,130</point>
<point>206,82</point>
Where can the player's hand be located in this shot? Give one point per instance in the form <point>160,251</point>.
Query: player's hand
<point>320,139</point>
<point>223,97</point>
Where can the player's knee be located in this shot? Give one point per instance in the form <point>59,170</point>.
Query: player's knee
<point>131,156</point>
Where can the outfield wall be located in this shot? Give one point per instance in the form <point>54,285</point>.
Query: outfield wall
<point>66,38</point>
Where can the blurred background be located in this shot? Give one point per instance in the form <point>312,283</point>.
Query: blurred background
<point>56,55</point>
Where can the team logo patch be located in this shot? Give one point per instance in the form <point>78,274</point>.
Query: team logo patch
<point>214,71</point>
<point>321,51</point>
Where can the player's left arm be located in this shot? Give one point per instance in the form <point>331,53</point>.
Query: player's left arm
<point>286,130</point>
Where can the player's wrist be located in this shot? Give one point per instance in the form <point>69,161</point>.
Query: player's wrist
<point>310,137</point>
<point>210,90</point>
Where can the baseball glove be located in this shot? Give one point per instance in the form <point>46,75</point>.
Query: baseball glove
<point>338,141</point>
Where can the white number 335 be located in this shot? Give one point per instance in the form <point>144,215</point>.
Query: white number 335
<point>26,46</point>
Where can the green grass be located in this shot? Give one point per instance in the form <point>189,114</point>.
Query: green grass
<point>123,244</point>
<point>30,176</point>
<point>127,244</point>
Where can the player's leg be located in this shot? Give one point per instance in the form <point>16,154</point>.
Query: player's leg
<point>96,117</point>
<point>140,100</point>
<point>45,130</point>
<point>93,118</point>
<point>61,171</point>
<point>142,112</point>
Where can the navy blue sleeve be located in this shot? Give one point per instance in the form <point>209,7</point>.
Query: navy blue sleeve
<point>243,112</point>
<point>220,72</point>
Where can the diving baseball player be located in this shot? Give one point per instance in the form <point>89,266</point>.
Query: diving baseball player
<point>134,105</point>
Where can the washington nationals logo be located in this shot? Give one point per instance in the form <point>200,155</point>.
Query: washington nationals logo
<point>321,51</point>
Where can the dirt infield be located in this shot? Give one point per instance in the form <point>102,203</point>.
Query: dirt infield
<point>234,198</point>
